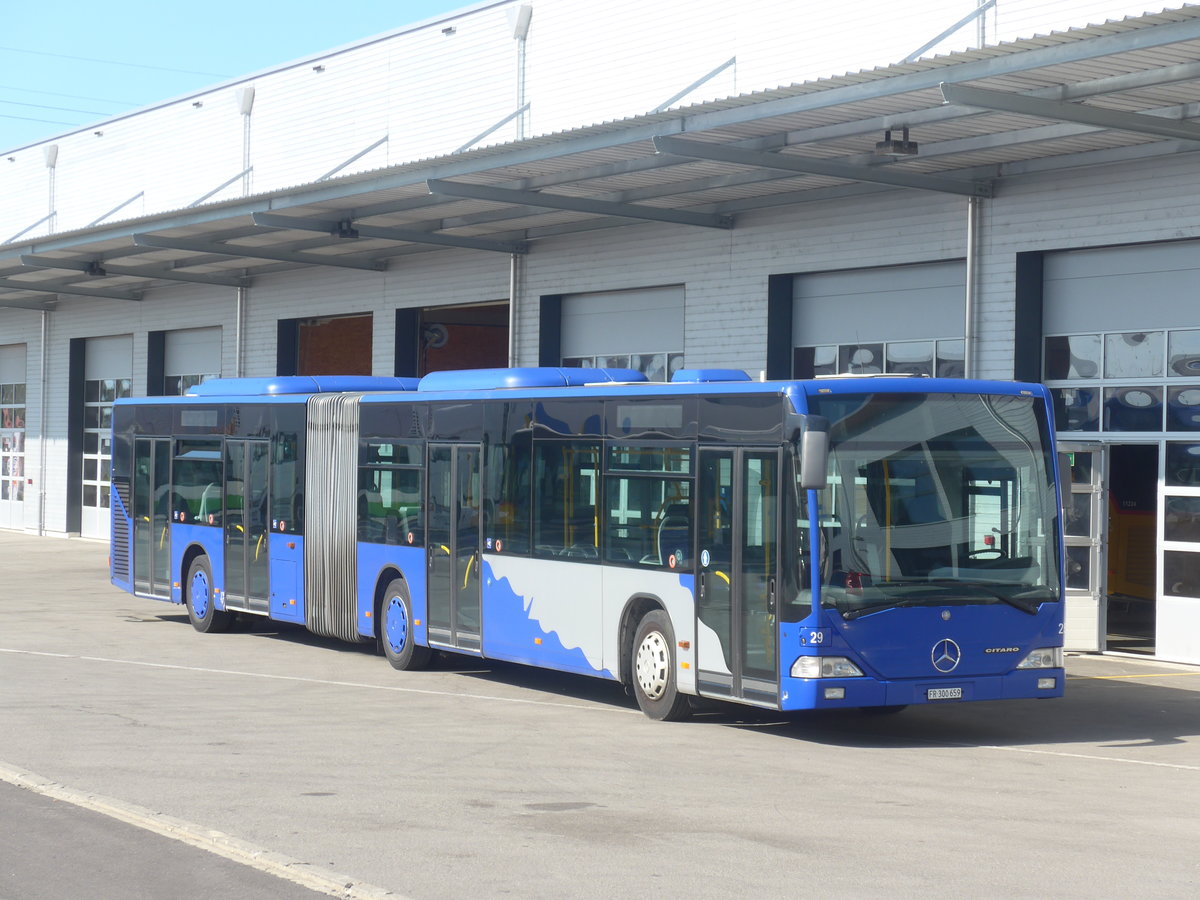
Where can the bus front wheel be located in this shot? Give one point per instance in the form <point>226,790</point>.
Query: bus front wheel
<point>654,682</point>
<point>201,599</point>
<point>396,634</point>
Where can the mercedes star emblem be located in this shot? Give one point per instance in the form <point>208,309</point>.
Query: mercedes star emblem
<point>946,655</point>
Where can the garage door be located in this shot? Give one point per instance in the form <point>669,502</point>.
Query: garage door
<point>637,329</point>
<point>190,356</point>
<point>108,371</point>
<point>1121,355</point>
<point>898,319</point>
<point>12,436</point>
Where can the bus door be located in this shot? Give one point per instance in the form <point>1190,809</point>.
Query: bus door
<point>152,515</point>
<point>452,529</point>
<point>247,525</point>
<point>1084,523</point>
<point>737,574</point>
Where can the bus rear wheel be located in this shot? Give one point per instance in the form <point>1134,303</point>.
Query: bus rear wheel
<point>654,682</point>
<point>201,599</point>
<point>396,634</point>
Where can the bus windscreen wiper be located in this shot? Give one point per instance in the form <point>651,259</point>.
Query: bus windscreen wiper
<point>1020,601</point>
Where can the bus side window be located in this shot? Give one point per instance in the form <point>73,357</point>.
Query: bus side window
<point>566,484</point>
<point>197,482</point>
<point>389,495</point>
<point>506,507</point>
<point>648,505</point>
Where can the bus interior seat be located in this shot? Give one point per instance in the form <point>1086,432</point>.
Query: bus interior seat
<point>210,502</point>
<point>674,532</point>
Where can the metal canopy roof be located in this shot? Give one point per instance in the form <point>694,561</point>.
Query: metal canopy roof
<point>1119,91</point>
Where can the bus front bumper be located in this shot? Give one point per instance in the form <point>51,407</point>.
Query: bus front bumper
<point>841,693</point>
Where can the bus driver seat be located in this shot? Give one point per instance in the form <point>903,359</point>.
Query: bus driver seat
<point>210,503</point>
<point>674,534</point>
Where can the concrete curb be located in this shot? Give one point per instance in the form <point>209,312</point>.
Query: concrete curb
<point>297,871</point>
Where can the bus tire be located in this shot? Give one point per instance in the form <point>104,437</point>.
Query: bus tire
<point>201,599</point>
<point>653,670</point>
<point>396,634</point>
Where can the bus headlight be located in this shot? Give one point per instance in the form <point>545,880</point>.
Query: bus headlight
<point>825,667</point>
<point>1043,658</point>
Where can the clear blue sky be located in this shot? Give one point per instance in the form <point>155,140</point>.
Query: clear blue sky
<point>67,63</point>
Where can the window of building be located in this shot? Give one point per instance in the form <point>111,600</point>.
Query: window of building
<point>12,441</point>
<point>178,385</point>
<point>98,395</point>
<point>940,358</point>
<point>655,366</point>
<point>1125,380</point>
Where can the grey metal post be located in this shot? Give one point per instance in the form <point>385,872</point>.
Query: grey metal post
<point>970,300</point>
<point>41,530</point>
<point>237,331</point>
<point>512,309</point>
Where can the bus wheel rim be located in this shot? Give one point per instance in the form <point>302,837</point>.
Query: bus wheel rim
<point>396,624</point>
<point>199,594</point>
<point>653,661</point>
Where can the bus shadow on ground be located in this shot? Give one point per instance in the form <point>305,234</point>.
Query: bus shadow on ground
<point>563,686</point>
<point>1110,714</point>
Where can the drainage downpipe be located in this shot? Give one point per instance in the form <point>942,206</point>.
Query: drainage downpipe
<point>512,310</point>
<point>44,399</point>
<point>972,266</point>
<point>237,332</point>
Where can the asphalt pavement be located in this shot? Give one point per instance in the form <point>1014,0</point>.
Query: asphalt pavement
<point>139,758</point>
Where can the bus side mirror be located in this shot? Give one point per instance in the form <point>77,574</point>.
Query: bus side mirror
<point>813,446</point>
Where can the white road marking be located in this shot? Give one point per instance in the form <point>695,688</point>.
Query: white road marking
<point>1117,759</point>
<point>532,702</point>
<point>325,681</point>
<point>297,871</point>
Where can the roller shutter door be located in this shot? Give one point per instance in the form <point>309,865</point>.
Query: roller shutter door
<point>898,319</point>
<point>640,329</point>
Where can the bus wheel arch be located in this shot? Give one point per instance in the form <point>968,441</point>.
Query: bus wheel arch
<point>635,610</point>
<point>396,632</point>
<point>185,565</point>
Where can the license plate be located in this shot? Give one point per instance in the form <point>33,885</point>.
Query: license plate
<point>944,694</point>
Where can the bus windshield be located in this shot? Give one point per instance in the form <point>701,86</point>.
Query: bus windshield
<point>936,499</point>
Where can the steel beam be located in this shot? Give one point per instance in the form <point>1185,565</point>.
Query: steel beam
<point>164,274</point>
<point>828,168</point>
<point>191,245</point>
<point>538,199</point>
<point>6,303</point>
<point>58,287</point>
<point>965,20</point>
<point>1023,104</point>
<point>406,235</point>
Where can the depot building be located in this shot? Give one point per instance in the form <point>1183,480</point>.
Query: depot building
<point>543,184</point>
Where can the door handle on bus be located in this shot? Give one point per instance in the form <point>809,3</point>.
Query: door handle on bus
<point>771,596</point>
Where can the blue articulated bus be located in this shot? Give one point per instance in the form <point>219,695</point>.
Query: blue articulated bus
<point>865,542</point>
